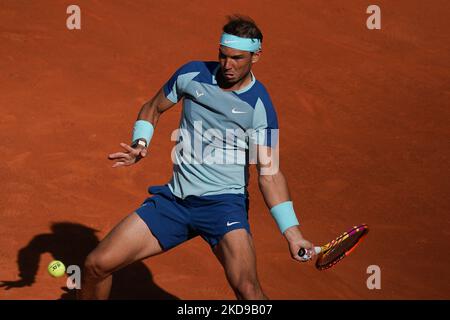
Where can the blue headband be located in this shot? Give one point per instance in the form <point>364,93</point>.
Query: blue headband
<point>235,42</point>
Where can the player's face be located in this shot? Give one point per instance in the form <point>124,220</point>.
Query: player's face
<point>235,64</point>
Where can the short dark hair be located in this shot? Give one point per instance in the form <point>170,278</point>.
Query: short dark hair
<point>242,26</point>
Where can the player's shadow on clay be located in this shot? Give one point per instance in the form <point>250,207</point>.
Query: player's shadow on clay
<point>71,243</point>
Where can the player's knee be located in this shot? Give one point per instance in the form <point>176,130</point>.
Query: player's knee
<point>95,266</point>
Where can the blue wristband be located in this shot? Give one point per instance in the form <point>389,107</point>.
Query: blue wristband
<point>143,130</point>
<point>284,215</point>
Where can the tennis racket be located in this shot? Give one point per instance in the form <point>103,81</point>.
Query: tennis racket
<point>338,249</point>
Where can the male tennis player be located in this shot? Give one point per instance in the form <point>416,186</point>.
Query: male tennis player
<point>225,111</point>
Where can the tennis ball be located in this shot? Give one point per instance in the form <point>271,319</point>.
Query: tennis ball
<point>56,268</point>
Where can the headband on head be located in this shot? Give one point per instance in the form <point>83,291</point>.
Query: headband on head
<point>235,42</point>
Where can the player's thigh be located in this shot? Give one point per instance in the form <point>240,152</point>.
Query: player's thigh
<point>236,253</point>
<point>129,241</point>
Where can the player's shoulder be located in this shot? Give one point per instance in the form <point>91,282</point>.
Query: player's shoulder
<point>199,66</point>
<point>257,92</point>
<point>260,90</point>
<point>204,70</point>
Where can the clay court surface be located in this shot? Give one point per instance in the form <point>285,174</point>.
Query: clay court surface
<point>364,120</point>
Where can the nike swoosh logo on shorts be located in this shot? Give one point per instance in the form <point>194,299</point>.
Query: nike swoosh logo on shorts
<point>231,223</point>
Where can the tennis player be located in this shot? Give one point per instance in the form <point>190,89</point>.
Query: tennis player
<point>227,122</point>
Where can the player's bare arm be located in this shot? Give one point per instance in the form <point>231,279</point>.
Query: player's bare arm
<point>275,191</point>
<point>149,115</point>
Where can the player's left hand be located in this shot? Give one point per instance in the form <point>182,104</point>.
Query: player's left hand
<point>296,241</point>
<point>297,244</point>
<point>129,157</point>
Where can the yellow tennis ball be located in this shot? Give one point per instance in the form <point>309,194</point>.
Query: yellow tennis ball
<point>56,268</point>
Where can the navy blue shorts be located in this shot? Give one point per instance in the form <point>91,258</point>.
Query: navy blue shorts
<point>173,220</point>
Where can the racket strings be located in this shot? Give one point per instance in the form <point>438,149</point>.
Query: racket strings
<point>340,247</point>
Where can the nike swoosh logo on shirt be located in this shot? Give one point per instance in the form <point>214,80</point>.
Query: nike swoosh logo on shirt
<point>231,223</point>
<point>234,110</point>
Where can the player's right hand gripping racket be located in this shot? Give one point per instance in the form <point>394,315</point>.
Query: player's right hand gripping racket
<point>338,249</point>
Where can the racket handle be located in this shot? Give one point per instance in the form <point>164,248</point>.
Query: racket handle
<point>302,252</point>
